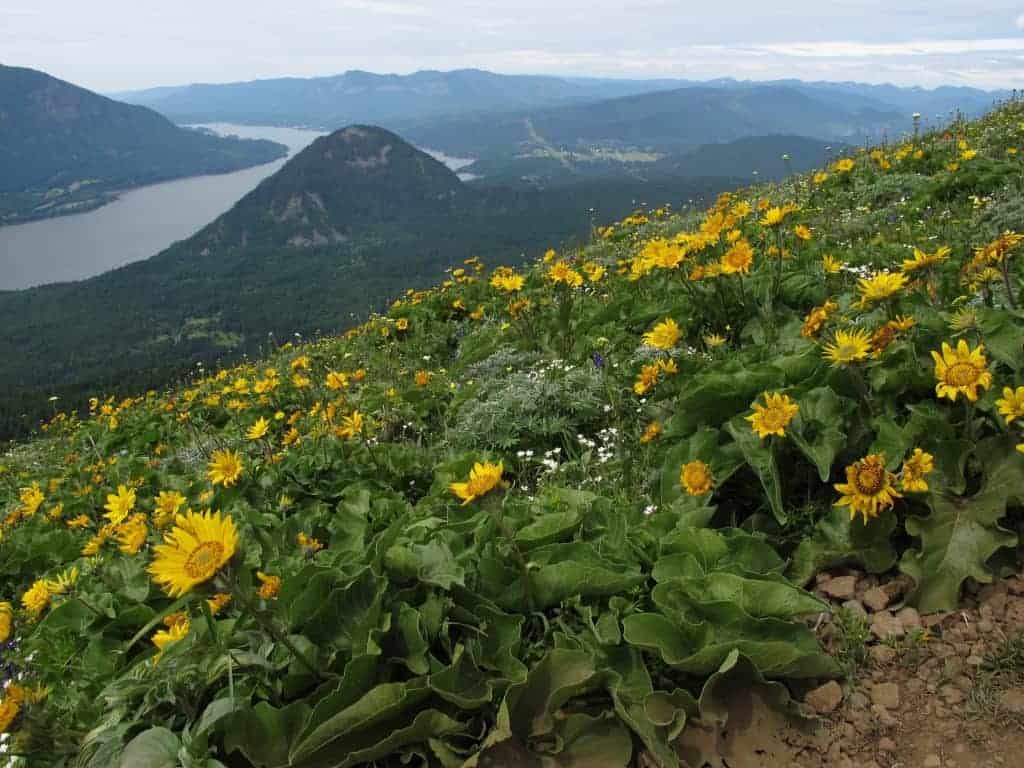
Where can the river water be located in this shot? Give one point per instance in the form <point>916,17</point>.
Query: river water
<point>141,222</point>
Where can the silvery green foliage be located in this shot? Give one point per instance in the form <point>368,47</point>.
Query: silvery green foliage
<point>550,402</point>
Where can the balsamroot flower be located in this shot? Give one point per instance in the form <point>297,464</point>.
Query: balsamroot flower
<point>225,468</point>
<point>483,478</point>
<point>961,371</point>
<point>193,551</point>
<point>695,478</point>
<point>773,417</point>
<point>868,489</point>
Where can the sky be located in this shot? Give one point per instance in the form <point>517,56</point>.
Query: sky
<point>116,45</point>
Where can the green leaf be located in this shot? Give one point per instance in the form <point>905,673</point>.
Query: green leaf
<point>838,540</point>
<point>779,648</point>
<point>961,534</point>
<point>591,742</point>
<point>548,528</point>
<point>436,565</point>
<point>155,748</point>
<point>557,678</point>
<point>724,460</point>
<point>378,713</point>
<point>714,397</point>
<point>551,584</point>
<point>816,428</point>
<point>1002,334</point>
<point>363,748</point>
<point>264,733</point>
<point>761,458</point>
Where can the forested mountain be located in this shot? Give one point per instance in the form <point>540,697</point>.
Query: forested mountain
<point>668,121</point>
<point>65,149</point>
<point>366,97</point>
<point>343,227</point>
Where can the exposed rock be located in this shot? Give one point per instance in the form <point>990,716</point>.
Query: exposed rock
<point>1015,586</point>
<point>885,744</point>
<point>825,698</point>
<point>854,607</point>
<point>840,587</point>
<point>884,626</point>
<point>858,700</point>
<point>882,655</point>
<point>932,761</point>
<point>876,599</point>
<point>951,694</point>
<point>886,695</point>
<point>910,618</point>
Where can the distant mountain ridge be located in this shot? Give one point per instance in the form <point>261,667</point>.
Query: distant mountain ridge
<point>64,149</point>
<point>365,97</point>
<point>389,99</point>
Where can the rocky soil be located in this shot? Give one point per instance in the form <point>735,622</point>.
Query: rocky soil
<point>938,690</point>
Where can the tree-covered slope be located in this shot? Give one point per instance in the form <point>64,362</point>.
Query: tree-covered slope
<point>64,149</point>
<point>545,516</point>
<point>338,230</point>
<point>671,121</point>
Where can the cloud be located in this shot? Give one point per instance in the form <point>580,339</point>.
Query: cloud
<point>1020,21</point>
<point>846,48</point>
<point>385,8</point>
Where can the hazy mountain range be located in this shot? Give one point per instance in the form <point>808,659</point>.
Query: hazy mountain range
<point>552,130</point>
<point>329,102</point>
<point>65,149</point>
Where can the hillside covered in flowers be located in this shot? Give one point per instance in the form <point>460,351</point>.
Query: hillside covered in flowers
<point>535,517</point>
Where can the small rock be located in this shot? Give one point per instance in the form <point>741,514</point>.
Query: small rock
<point>886,695</point>
<point>910,618</point>
<point>885,744</point>
<point>825,698</point>
<point>1015,586</point>
<point>975,661</point>
<point>858,700</point>
<point>1012,701</point>
<point>997,603</point>
<point>854,607</point>
<point>882,655</point>
<point>840,587</point>
<point>951,694</point>
<point>883,718</point>
<point>985,626</point>
<point>932,761</point>
<point>884,625</point>
<point>876,599</point>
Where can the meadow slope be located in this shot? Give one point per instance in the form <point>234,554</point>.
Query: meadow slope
<point>540,517</point>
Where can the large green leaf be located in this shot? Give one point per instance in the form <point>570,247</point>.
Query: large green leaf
<point>817,429</point>
<point>376,715</point>
<point>714,397</point>
<point>837,539</point>
<point>761,458</point>
<point>703,445</point>
<point>155,748</point>
<point>264,734</point>
<point>779,648</point>
<point>962,533</point>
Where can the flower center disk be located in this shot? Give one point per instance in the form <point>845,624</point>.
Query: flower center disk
<point>204,560</point>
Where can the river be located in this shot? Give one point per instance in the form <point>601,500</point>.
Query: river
<point>142,221</point>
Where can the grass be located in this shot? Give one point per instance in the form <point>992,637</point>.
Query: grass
<point>1002,670</point>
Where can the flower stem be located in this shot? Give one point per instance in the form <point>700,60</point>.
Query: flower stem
<point>494,510</point>
<point>274,632</point>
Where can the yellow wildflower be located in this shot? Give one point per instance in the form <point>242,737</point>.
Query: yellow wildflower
<point>773,417</point>
<point>483,478</point>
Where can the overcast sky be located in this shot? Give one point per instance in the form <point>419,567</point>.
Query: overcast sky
<point>111,45</point>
